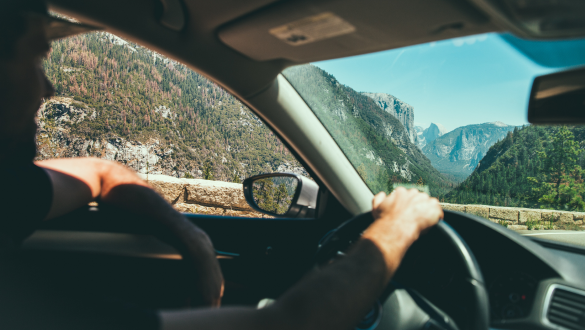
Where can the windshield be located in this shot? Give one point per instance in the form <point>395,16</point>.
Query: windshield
<point>449,118</point>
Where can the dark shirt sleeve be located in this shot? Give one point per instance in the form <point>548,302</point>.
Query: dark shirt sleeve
<point>26,195</point>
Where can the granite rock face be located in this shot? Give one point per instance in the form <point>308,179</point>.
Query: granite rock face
<point>431,133</point>
<point>154,156</point>
<point>460,151</point>
<point>402,111</point>
<point>55,140</point>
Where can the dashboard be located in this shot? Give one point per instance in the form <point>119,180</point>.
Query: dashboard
<point>531,284</point>
<point>511,296</point>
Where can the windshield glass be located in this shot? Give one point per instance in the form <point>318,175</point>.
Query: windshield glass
<point>449,118</point>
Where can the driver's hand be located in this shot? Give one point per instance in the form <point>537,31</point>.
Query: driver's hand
<point>400,218</point>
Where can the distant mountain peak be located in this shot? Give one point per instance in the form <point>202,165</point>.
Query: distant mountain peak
<point>499,124</point>
<point>459,151</point>
<point>440,127</point>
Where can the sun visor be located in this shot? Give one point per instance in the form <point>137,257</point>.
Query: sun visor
<point>305,31</point>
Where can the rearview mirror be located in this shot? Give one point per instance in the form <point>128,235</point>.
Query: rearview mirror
<point>282,195</point>
<point>558,98</point>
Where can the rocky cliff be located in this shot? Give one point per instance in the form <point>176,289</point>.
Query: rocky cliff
<point>373,139</point>
<point>402,111</point>
<point>429,134</point>
<point>458,152</point>
<point>57,138</point>
<point>120,101</point>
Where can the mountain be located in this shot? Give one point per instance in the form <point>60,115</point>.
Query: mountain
<point>402,111</point>
<point>372,138</point>
<point>458,152</point>
<point>534,167</point>
<point>429,134</point>
<point>117,100</point>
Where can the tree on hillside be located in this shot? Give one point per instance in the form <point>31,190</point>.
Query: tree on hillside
<point>208,171</point>
<point>560,185</point>
<point>236,178</point>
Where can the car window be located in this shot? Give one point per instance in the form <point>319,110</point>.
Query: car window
<point>449,118</point>
<point>192,140</point>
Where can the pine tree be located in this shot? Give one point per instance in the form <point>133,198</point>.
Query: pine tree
<point>561,184</point>
<point>208,171</point>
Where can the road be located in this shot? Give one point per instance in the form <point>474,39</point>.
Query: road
<point>564,236</point>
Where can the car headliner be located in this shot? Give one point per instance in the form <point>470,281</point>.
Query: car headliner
<point>228,40</point>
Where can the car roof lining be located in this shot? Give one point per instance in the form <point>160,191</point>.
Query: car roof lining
<point>223,37</point>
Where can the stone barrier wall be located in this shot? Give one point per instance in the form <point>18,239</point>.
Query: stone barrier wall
<point>517,218</point>
<point>203,196</point>
<point>226,198</point>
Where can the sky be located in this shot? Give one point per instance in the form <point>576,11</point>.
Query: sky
<point>455,82</point>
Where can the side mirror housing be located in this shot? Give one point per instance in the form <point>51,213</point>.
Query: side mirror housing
<point>282,195</point>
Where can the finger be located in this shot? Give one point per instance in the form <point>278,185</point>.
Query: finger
<point>378,199</point>
<point>398,191</point>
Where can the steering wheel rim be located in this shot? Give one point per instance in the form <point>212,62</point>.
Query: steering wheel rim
<point>350,231</point>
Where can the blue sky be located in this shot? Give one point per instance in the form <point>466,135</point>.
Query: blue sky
<point>455,82</point>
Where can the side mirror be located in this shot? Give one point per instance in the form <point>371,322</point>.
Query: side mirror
<point>282,195</point>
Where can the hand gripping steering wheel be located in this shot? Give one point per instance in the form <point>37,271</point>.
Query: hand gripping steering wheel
<point>402,307</point>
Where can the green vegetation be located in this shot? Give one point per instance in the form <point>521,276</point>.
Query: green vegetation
<point>374,141</point>
<point>272,196</point>
<point>141,96</point>
<point>550,225</point>
<point>535,167</point>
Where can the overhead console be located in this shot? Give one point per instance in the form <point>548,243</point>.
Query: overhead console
<point>305,31</point>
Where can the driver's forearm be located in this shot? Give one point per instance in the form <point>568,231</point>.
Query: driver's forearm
<point>339,295</point>
<point>336,297</point>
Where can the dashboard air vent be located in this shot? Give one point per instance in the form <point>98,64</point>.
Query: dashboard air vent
<point>566,308</point>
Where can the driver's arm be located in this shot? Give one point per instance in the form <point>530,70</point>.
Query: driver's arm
<point>78,181</point>
<point>340,294</point>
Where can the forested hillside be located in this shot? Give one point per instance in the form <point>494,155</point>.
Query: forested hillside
<point>120,101</point>
<point>535,166</point>
<point>374,141</point>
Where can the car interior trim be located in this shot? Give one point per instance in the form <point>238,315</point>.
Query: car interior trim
<point>558,245</point>
<point>547,303</point>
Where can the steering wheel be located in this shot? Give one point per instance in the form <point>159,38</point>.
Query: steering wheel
<point>403,307</point>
